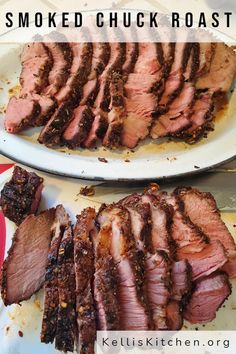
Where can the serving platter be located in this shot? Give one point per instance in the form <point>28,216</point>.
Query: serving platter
<point>20,325</point>
<point>150,160</point>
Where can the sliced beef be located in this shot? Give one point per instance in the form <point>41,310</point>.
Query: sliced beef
<point>149,226</point>
<point>206,51</point>
<point>101,55</point>
<point>62,55</point>
<point>175,79</point>
<point>84,269</point>
<point>80,69</point>
<point>51,133</point>
<point>222,70</point>
<point>21,195</point>
<point>20,113</point>
<point>158,287</point>
<point>192,244</point>
<point>51,296</point>
<point>47,107</point>
<point>23,270</point>
<point>193,64</point>
<point>200,118</point>
<point>30,110</point>
<point>36,64</point>
<point>55,127</point>
<point>201,208</point>
<point>132,49</point>
<point>207,298</point>
<point>159,264</point>
<point>105,294</point>
<point>77,130</point>
<point>141,99</point>
<point>180,293</point>
<point>160,224</point>
<point>105,278</point>
<point>116,114</point>
<point>178,109</point>
<point>66,318</point>
<point>133,311</point>
<point>140,217</point>
<point>102,102</point>
<point>177,117</point>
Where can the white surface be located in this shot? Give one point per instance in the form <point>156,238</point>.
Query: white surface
<point>28,317</point>
<point>149,161</point>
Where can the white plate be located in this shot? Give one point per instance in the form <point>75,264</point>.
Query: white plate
<point>28,317</point>
<point>151,160</point>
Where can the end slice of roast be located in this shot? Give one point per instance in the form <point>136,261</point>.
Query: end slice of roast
<point>20,113</point>
<point>23,270</point>
<point>21,195</point>
<point>222,70</point>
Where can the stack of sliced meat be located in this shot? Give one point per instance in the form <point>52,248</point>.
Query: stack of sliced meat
<point>145,263</point>
<point>117,94</point>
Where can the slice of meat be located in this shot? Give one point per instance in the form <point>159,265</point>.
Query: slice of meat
<point>20,113</point>
<point>157,281</point>
<point>116,114</point>
<point>200,119</point>
<point>62,55</point>
<point>192,244</point>
<point>51,294</point>
<point>175,80</point>
<point>146,215</point>
<point>180,293</point>
<point>55,127</point>
<point>66,317</point>
<point>47,107</point>
<point>98,129</point>
<point>141,100</point>
<point>177,117</point>
<point>222,70</point>
<point>80,69</point>
<point>23,270</point>
<point>21,195</point>
<point>77,130</point>
<point>36,64</point>
<point>202,210</point>
<point>161,216</point>
<point>105,277</point>
<point>116,230</point>
<point>102,101</point>
<point>105,294</point>
<point>140,217</point>
<point>208,296</point>
<point>84,269</point>
<point>101,55</point>
<point>132,50</point>
<point>206,52</point>
<point>193,63</point>
<point>51,133</point>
